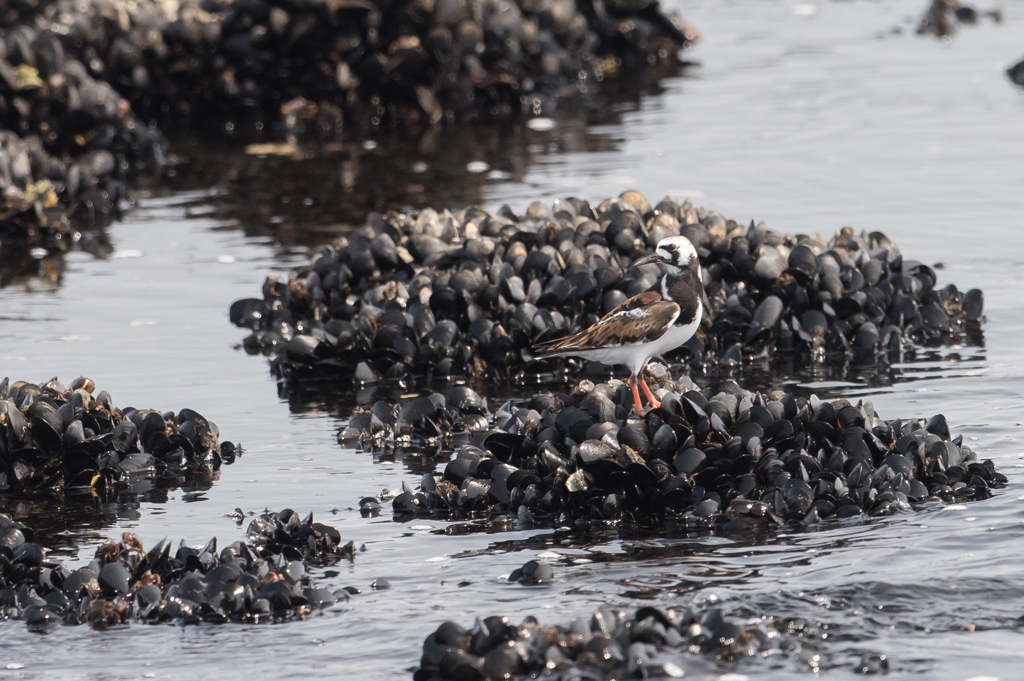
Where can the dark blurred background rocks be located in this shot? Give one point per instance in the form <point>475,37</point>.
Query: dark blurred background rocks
<point>87,87</point>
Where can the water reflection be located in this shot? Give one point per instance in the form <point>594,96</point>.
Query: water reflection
<point>852,378</point>
<point>306,195</point>
<point>33,274</point>
<point>65,520</point>
<point>42,270</point>
<point>844,377</point>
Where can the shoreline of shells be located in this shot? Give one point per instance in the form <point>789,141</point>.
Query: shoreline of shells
<point>430,295</point>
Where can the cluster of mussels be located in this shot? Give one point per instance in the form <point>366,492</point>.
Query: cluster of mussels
<point>289,62</point>
<point>56,437</point>
<point>728,459</point>
<point>943,17</point>
<point>75,77</point>
<point>443,294</point>
<point>264,580</point>
<point>68,140</point>
<point>653,643</point>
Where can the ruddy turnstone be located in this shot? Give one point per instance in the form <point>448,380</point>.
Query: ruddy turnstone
<point>652,323</point>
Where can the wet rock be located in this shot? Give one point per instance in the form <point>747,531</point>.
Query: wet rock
<point>532,573</point>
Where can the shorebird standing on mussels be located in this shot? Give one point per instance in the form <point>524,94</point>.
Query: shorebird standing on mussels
<point>652,323</point>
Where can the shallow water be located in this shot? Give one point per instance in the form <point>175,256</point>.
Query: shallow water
<point>808,121</point>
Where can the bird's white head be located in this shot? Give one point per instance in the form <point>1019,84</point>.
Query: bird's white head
<point>677,254</point>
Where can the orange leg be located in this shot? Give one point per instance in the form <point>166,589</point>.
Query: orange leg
<point>650,396</point>
<point>636,396</point>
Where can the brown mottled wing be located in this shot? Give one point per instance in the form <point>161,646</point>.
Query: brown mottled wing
<point>641,319</point>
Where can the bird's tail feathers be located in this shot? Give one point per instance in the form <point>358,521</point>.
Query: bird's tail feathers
<point>554,347</point>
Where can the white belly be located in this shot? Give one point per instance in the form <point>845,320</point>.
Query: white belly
<point>677,335</point>
<point>634,356</point>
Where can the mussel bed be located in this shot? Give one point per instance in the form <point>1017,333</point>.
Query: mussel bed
<point>83,85</point>
<point>69,141</point>
<point>261,65</point>
<point>729,460</point>
<point>466,293</point>
<point>55,437</point>
<point>652,643</point>
<point>265,579</point>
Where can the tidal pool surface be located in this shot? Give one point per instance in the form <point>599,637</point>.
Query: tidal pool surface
<point>810,116</point>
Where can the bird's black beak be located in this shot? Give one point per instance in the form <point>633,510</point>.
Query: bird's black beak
<point>651,259</point>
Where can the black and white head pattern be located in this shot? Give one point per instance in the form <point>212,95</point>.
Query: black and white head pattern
<point>677,253</point>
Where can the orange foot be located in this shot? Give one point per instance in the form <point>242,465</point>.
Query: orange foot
<point>650,396</point>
